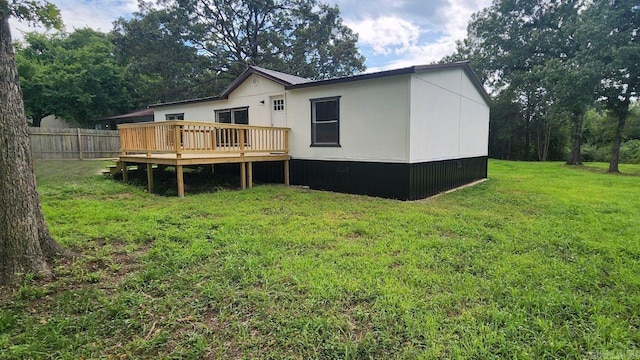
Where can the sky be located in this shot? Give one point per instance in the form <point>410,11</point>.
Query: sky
<point>392,33</point>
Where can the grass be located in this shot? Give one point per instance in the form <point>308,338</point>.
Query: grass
<point>541,261</point>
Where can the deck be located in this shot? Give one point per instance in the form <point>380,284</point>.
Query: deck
<point>183,143</point>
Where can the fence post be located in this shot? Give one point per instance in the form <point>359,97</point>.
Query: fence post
<point>79,144</point>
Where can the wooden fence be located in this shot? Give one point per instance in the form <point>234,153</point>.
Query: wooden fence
<point>55,143</point>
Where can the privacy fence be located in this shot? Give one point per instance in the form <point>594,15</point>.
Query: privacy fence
<point>54,143</point>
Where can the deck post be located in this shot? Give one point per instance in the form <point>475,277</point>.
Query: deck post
<point>180,176</point>
<point>243,175</point>
<point>286,172</point>
<point>125,175</point>
<point>150,177</point>
<point>250,174</point>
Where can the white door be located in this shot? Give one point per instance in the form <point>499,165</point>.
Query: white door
<point>277,112</point>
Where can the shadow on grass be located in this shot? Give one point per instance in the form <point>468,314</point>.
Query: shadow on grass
<point>602,168</point>
<point>197,179</point>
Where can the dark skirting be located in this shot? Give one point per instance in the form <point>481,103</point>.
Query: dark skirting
<point>387,180</point>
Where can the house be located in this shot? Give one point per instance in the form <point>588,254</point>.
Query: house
<point>407,134</point>
<point>111,122</point>
<point>52,121</point>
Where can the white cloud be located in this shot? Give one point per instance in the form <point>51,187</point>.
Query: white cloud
<point>402,38</point>
<point>77,14</point>
<point>387,34</point>
<point>392,33</point>
<point>458,15</point>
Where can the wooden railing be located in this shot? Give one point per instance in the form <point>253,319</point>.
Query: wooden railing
<point>188,137</point>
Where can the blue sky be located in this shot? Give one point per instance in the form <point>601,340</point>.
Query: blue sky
<point>392,33</point>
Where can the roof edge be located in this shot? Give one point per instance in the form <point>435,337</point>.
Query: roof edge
<point>395,72</point>
<point>464,65</point>
<point>188,101</point>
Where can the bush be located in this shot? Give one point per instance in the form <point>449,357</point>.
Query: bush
<point>630,152</point>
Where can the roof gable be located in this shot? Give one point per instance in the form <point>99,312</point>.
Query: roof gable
<point>275,76</point>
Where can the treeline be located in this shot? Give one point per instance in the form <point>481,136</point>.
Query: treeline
<point>174,50</point>
<point>564,76</point>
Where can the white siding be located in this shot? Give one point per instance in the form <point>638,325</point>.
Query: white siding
<point>51,121</point>
<point>192,112</point>
<point>374,117</point>
<point>429,116</point>
<point>449,118</point>
<point>248,94</point>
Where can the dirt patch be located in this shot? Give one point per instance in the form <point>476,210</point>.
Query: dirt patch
<point>88,270</point>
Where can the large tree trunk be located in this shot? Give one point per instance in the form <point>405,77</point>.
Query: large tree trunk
<point>576,139</point>
<point>25,241</point>
<point>617,140</point>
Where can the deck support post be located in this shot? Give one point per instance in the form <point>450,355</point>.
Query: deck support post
<point>250,174</point>
<point>125,175</point>
<point>180,176</point>
<point>150,177</point>
<point>243,175</point>
<point>286,172</point>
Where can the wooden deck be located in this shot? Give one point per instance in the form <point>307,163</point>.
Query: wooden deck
<point>183,143</point>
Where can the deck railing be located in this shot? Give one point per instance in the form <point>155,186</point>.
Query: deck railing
<point>188,137</point>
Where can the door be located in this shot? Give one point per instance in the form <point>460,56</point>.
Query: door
<point>277,112</point>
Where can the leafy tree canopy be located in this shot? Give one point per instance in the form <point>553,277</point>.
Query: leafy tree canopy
<point>301,37</point>
<point>74,76</point>
<point>157,58</point>
<point>35,12</point>
<point>555,59</point>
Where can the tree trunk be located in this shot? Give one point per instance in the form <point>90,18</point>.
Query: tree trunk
<point>25,241</point>
<point>543,133</point>
<point>576,139</point>
<point>547,141</point>
<point>37,120</point>
<point>617,140</point>
<point>527,129</point>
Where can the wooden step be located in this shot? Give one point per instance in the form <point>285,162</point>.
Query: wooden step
<point>117,168</point>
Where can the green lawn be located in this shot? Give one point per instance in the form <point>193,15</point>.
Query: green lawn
<point>541,261</point>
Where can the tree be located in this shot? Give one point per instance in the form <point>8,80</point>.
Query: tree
<point>615,44</point>
<point>510,44</point>
<point>74,76</point>
<point>25,241</point>
<point>572,83</point>
<point>158,61</point>
<point>300,37</point>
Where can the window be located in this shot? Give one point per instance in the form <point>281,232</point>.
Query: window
<point>278,104</point>
<point>325,121</point>
<point>233,116</point>
<point>174,116</point>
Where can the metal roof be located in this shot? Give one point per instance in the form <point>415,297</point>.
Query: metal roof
<point>291,82</point>
<point>137,113</point>
<point>464,65</point>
